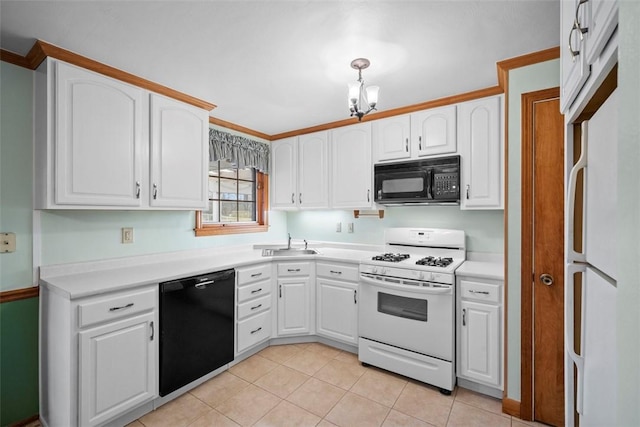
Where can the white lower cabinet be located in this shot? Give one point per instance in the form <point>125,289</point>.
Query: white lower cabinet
<point>98,355</point>
<point>295,298</point>
<point>337,301</point>
<point>117,369</point>
<point>253,309</point>
<point>479,326</point>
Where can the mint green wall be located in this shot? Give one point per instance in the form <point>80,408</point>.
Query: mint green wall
<point>18,319</point>
<point>521,80</point>
<point>628,216</point>
<point>16,176</point>
<point>75,236</point>
<point>484,229</point>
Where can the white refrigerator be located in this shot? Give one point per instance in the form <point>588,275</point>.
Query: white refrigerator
<point>591,364</point>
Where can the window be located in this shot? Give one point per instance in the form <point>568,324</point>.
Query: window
<point>237,201</point>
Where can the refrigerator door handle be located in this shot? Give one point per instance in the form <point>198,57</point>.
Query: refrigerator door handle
<point>571,358</point>
<point>572,255</point>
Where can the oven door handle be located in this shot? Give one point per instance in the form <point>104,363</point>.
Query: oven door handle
<point>418,289</point>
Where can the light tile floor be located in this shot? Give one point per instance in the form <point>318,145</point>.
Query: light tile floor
<point>317,385</point>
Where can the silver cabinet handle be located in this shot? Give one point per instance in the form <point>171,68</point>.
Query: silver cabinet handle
<point>406,145</point>
<point>300,198</point>
<point>581,31</point>
<point>256,330</point>
<point>153,332</point>
<point>256,275</point>
<point>121,307</point>
<point>256,307</point>
<point>355,296</point>
<point>255,291</point>
<point>467,191</point>
<point>369,195</point>
<point>471,291</point>
<point>155,191</point>
<point>464,317</point>
<point>280,291</point>
<point>293,200</point>
<point>335,272</point>
<point>420,143</point>
<point>292,270</point>
<point>137,189</point>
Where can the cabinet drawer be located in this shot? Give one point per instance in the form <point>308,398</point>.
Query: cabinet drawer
<point>254,290</point>
<point>294,269</point>
<point>480,291</point>
<point>253,274</point>
<point>116,306</point>
<point>253,330</point>
<point>338,271</point>
<point>254,306</point>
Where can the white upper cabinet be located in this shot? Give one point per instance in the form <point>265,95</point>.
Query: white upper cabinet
<point>284,173</point>
<point>313,176</point>
<point>351,167</point>
<point>179,137</point>
<point>602,23</point>
<point>480,135</point>
<point>424,133</point>
<point>574,69</point>
<point>433,131</point>
<point>299,172</point>
<point>99,139</point>
<point>97,143</point>
<point>391,138</point>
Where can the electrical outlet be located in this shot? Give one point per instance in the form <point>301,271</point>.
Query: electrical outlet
<point>127,235</point>
<point>338,227</point>
<point>350,227</point>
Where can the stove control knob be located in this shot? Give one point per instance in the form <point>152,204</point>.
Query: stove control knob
<point>383,271</point>
<point>421,275</point>
<point>431,277</point>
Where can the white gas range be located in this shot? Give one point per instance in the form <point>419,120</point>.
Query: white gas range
<point>407,303</point>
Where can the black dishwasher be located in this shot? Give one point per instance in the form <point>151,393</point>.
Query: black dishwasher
<point>196,327</point>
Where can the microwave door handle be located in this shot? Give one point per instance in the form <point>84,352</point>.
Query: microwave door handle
<point>430,184</point>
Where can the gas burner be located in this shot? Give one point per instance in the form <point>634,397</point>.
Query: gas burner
<point>434,262</point>
<point>390,257</point>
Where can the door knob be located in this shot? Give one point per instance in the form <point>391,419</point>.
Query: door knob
<point>546,279</point>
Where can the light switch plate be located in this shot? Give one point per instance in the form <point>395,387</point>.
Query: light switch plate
<point>7,242</point>
<point>127,235</point>
<point>350,227</point>
<point>338,227</point>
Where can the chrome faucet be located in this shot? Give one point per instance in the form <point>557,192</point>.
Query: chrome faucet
<point>289,241</point>
<point>305,245</point>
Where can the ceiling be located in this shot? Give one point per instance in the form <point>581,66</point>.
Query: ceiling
<point>276,66</point>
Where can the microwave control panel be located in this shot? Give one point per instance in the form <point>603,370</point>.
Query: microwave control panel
<point>446,185</point>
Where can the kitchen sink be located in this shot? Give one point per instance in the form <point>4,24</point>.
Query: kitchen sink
<point>288,252</point>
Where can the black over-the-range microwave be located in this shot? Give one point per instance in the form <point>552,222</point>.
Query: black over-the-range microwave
<point>418,182</point>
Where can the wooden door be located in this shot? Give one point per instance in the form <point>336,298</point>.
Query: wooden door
<point>542,258</point>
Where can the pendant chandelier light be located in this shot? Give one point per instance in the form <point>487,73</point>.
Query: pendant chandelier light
<point>361,101</point>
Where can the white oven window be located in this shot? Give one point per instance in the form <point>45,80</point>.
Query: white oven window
<point>408,308</point>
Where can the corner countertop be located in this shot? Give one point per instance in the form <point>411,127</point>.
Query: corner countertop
<point>492,270</point>
<point>86,279</point>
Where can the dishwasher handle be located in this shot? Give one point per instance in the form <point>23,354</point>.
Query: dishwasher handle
<point>203,281</point>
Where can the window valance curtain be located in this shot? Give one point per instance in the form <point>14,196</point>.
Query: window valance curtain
<point>241,151</point>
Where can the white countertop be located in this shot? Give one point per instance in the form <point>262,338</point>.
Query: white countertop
<point>482,269</point>
<point>93,278</point>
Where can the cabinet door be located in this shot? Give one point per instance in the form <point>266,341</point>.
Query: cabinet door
<point>313,177</point>
<point>337,310</point>
<point>481,153</point>
<point>117,369</point>
<point>351,167</point>
<point>98,139</point>
<point>479,342</point>
<point>434,131</point>
<point>293,306</point>
<point>284,154</point>
<point>574,69</point>
<point>179,154</point>
<point>603,21</point>
<point>391,138</point>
